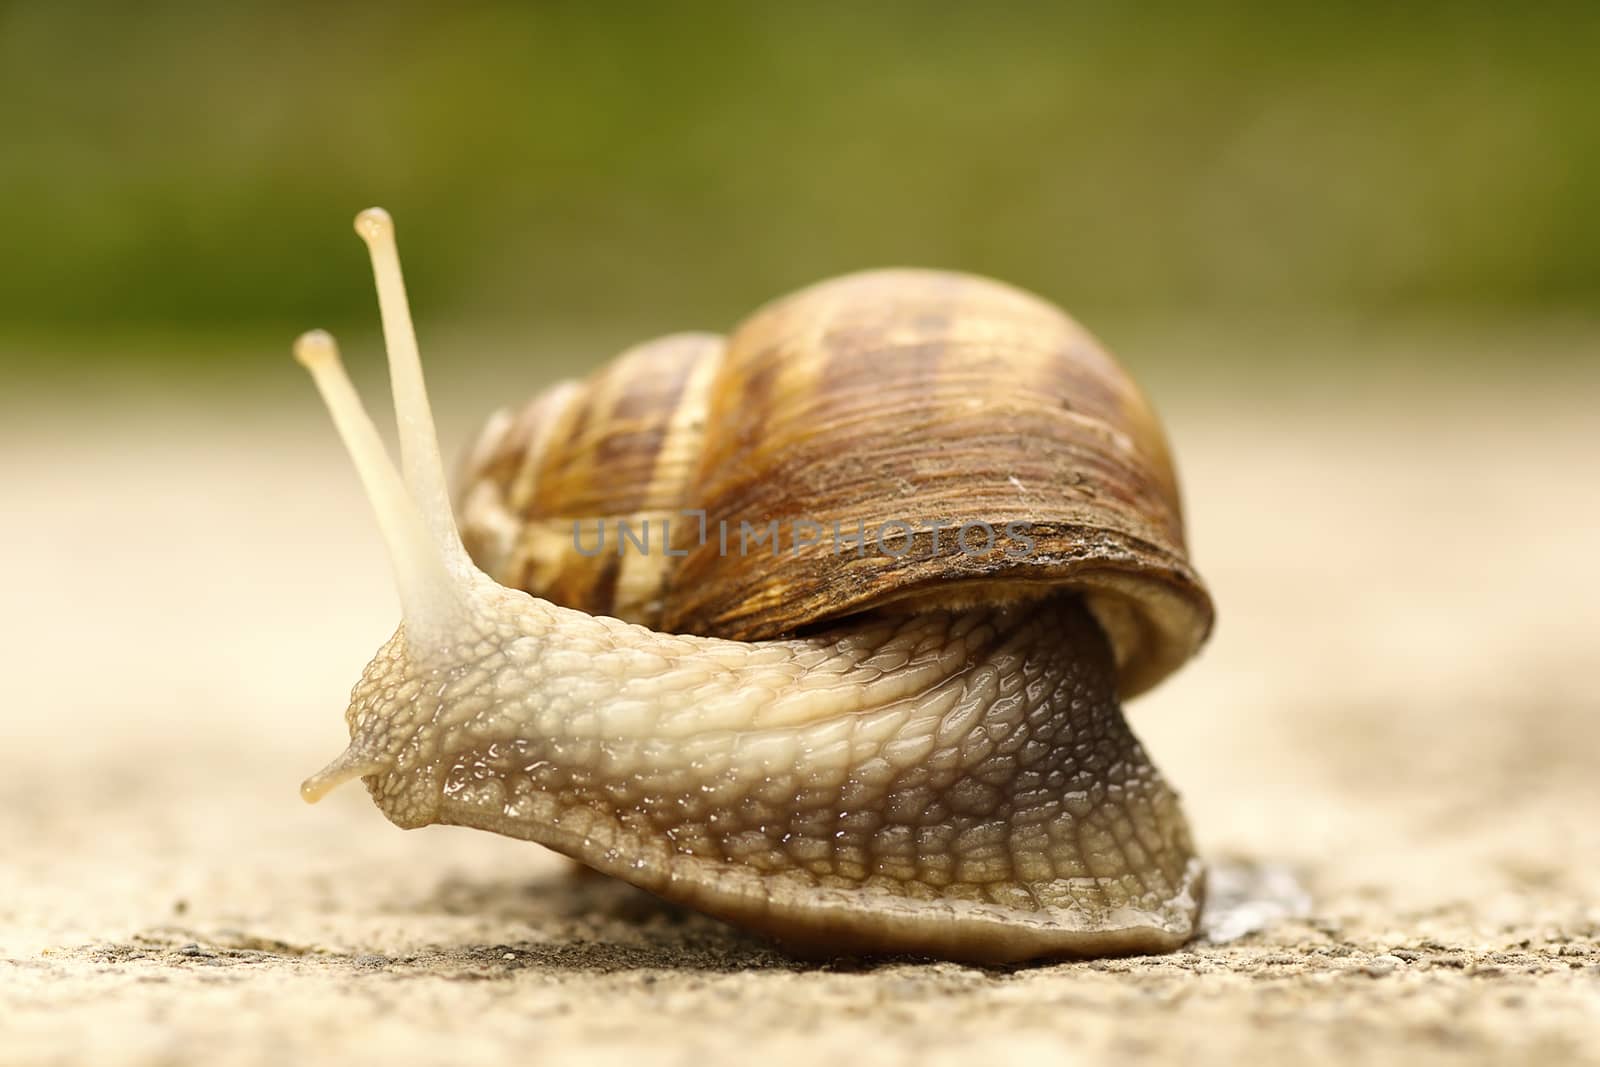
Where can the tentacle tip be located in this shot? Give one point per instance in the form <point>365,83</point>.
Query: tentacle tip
<point>346,768</point>
<point>374,223</point>
<point>316,348</point>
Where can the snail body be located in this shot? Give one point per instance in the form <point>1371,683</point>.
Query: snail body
<point>864,745</point>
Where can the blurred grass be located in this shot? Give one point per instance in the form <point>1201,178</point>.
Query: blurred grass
<point>178,179</point>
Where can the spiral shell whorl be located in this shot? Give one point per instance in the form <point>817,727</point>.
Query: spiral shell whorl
<point>622,445</point>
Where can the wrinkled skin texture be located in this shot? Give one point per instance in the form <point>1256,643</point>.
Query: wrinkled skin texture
<point>956,784</point>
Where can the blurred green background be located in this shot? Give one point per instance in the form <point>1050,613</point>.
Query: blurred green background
<point>177,180</point>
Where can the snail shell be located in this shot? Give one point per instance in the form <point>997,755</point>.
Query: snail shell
<point>927,398</point>
<point>918,750</point>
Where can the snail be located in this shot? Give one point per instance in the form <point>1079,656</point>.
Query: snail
<point>853,735</point>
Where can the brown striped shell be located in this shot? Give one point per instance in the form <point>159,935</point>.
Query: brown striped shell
<point>936,400</point>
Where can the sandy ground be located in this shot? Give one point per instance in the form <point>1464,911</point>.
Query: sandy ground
<point>1389,753</point>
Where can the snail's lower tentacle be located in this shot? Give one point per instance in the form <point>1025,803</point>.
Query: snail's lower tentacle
<point>961,784</point>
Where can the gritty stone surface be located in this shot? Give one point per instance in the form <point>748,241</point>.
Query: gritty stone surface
<point>1387,754</point>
